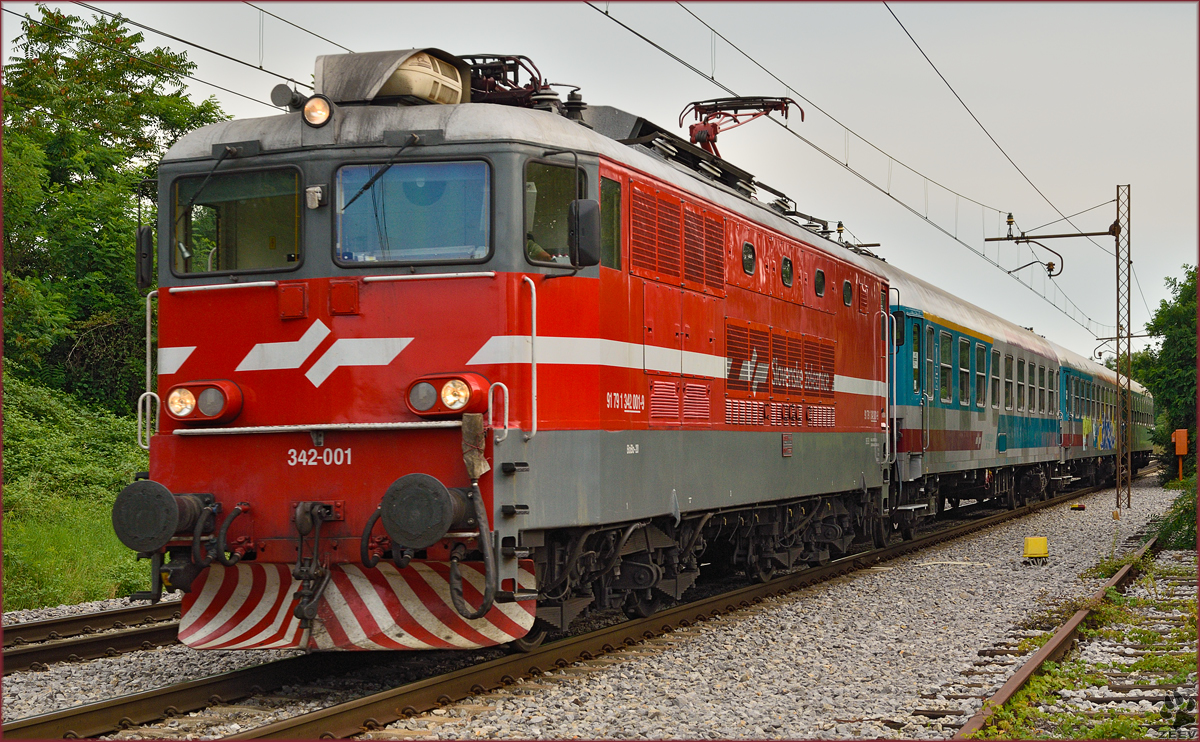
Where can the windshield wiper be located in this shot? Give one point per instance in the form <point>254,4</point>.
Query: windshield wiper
<point>413,139</point>
<point>229,151</point>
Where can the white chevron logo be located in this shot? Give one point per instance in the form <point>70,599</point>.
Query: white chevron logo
<point>343,352</point>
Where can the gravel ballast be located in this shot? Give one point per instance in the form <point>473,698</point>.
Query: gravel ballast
<point>834,661</point>
<point>838,660</point>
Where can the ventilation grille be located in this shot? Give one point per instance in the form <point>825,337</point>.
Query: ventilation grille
<point>820,416</point>
<point>745,412</point>
<point>696,403</point>
<point>818,368</point>
<point>673,239</point>
<point>643,229</point>
<point>669,234</point>
<point>714,253</point>
<point>693,247</point>
<point>787,371</point>
<point>787,414</point>
<point>664,400</point>
<point>747,362</point>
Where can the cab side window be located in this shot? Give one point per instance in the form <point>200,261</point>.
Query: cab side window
<point>610,223</point>
<point>549,190</point>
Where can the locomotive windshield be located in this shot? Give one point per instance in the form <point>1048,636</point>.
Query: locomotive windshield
<point>414,212</point>
<point>236,222</point>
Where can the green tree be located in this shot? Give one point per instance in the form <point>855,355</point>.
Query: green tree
<point>87,114</point>
<point>1168,369</point>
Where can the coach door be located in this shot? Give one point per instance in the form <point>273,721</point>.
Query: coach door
<point>920,335</point>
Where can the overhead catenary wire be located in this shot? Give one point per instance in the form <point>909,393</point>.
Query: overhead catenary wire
<point>302,28</point>
<point>81,37</point>
<point>828,115</point>
<point>1046,198</point>
<point>1088,324</point>
<point>126,19</point>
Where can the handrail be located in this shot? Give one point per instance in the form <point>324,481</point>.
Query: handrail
<point>427,276</point>
<point>925,400</point>
<point>500,385</point>
<point>893,382</point>
<point>889,372</point>
<point>146,395</point>
<point>143,416</point>
<point>221,287</point>
<point>532,355</point>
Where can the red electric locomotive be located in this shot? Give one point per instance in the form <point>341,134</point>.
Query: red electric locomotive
<point>441,355</point>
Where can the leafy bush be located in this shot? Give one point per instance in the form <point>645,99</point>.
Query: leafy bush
<point>1177,526</point>
<point>64,463</point>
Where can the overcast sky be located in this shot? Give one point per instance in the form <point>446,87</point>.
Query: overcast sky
<point>1082,97</point>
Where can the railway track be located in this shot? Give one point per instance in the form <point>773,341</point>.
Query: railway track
<point>35,644</point>
<point>377,710</point>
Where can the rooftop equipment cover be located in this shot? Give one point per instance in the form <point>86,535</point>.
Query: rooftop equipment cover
<point>419,75</point>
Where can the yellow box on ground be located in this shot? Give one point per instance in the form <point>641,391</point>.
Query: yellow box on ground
<point>1036,546</point>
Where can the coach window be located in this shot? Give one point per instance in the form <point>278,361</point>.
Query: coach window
<point>847,293</point>
<point>964,372</point>
<point>819,282</point>
<point>1020,384</point>
<point>1008,382</point>
<point>930,374</point>
<point>980,374</point>
<point>549,190</point>
<point>1041,388</point>
<point>996,379</point>
<point>785,272</point>
<point>945,358</point>
<point>610,223</point>
<point>916,351</point>
<point>1050,392</point>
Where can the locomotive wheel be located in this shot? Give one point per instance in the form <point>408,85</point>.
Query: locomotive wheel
<point>642,604</point>
<point>531,641</point>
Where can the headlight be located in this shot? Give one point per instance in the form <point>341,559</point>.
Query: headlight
<point>211,402</point>
<point>422,396</point>
<point>181,402</point>
<point>455,394</point>
<point>317,111</point>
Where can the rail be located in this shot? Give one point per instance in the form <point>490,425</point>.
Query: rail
<point>87,623</point>
<point>352,718</point>
<point>1051,651</point>
<point>371,712</point>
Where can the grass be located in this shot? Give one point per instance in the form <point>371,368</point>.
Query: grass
<point>1034,711</point>
<point>64,463</point>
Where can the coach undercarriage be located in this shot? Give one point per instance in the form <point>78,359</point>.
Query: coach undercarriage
<point>638,566</point>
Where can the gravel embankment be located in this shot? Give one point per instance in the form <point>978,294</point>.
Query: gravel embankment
<point>834,661</point>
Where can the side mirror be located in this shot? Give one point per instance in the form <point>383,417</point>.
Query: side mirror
<point>583,232</point>
<point>145,256</point>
